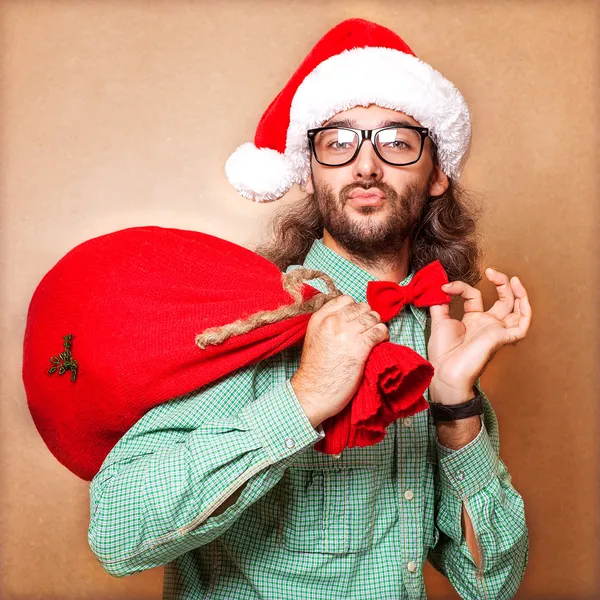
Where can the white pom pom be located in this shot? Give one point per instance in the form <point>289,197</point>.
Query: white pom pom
<point>261,174</point>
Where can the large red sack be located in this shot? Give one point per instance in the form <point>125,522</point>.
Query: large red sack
<point>127,306</point>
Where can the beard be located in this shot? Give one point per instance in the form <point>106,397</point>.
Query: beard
<point>368,237</point>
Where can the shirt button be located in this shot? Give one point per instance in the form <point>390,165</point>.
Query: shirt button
<point>409,495</point>
<point>406,422</point>
<point>290,443</point>
<point>411,566</point>
<point>460,476</point>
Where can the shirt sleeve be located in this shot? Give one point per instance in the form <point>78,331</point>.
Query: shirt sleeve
<point>476,477</point>
<point>153,498</point>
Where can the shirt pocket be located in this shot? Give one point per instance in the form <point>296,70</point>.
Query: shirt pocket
<point>329,510</point>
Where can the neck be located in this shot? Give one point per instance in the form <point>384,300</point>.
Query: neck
<point>386,269</point>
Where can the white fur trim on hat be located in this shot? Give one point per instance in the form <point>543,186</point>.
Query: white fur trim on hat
<point>390,79</point>
<point>260,174</point>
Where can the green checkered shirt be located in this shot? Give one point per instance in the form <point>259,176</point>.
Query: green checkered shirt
<point>307,526</point>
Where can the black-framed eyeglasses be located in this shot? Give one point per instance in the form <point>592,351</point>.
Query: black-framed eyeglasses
<point>397,145</point>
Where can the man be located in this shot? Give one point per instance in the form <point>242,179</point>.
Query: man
<point>223,486</point>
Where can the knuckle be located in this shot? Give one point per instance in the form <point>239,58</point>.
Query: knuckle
<point>368,319</point>
<point>365,320</point>
<point>373,336</point>
<point>337,303</point>
<point>351,309</point>
<point>384,329</point>
<point>331,327</point>
<point>477,295</point>
<point>362,308</point>
<point>377,333</point>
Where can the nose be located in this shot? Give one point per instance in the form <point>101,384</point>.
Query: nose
<point>367,165</point>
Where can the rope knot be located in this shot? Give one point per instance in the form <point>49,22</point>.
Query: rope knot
<point>292,283</point>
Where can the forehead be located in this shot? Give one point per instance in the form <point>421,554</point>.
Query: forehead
<point>370,117</point>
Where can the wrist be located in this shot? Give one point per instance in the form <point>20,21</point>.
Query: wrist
<point>309,403</point>
<point>450,395</point>
<point>454,435</point>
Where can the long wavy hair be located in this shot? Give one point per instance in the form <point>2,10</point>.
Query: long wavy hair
<point>447,231</point>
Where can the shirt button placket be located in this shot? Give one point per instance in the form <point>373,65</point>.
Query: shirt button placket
<point>406,428</point>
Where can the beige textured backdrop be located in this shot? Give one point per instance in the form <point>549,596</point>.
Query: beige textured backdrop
<point>122,113</point>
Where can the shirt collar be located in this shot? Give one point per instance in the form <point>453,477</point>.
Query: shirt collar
<point>349,278</point>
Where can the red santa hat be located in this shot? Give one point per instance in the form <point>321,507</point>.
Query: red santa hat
<point>357,63</point>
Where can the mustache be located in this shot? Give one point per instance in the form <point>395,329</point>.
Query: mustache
<point>390,192</point>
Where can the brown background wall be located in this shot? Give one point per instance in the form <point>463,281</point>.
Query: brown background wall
<point>122,113</point>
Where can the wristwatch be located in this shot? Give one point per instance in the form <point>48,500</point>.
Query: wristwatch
<point>470,408</point>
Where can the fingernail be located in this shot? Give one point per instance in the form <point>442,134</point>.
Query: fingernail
<point>447,285</point>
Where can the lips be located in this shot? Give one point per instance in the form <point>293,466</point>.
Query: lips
<point>367,197</point>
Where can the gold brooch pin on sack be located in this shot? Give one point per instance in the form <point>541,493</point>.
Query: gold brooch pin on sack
<point>68,362</point>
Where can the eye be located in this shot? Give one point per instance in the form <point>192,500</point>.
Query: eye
<point>398,140</point>
<point>396,145</point>
<point>337,145</point>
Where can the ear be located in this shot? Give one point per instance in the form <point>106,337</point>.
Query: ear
<point>439,182</point>
<point>309,188</point>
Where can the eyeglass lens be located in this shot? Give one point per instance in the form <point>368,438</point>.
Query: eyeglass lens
<point>336,146</point>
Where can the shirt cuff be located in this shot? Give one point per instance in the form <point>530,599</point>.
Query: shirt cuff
<point>471,468</point>
<point>280,423</point>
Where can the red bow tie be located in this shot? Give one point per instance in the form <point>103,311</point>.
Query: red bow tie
<point>425,289</point>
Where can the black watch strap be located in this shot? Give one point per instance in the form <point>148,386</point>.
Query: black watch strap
<point>470,408</point>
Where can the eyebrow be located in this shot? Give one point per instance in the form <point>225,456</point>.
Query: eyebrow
<point>352,123</point>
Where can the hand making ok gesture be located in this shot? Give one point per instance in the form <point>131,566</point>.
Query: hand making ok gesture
<point>460,350</point>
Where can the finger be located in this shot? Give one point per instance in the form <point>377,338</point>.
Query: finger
<point>366,321</point>
<point>520,322</point>
<point>331,308</point>
<point>336,304</point>
<point>352,311</point>
<point>512,320</point>
<point>472,296</point>
<point>517,307</point>
<point>506,298</point>
<point>438,313</point>
<point>518,288</point>
<point>377,334</point>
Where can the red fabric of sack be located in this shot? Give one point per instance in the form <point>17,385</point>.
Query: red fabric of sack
<point>134,301</point>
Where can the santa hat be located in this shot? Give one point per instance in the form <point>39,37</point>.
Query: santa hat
<point>357,63</point>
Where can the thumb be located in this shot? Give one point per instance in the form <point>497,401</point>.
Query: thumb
<point>439,312</point>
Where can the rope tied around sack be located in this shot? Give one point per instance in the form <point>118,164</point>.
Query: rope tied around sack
<point>292,283</point>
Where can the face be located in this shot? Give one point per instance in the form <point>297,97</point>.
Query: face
<point>368,206</point>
